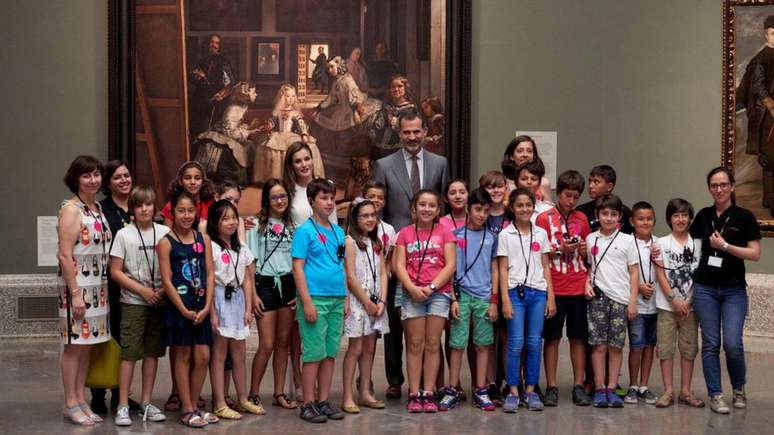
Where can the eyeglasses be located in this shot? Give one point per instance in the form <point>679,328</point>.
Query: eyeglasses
<point>278,198</point>
<point>720,186</point>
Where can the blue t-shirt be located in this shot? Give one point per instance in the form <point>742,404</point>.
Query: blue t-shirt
<point>478,280</point>
<point>319,247</point>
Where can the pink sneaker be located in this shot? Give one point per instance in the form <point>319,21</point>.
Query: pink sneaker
<point>414,404</point>
<point>428,403</point>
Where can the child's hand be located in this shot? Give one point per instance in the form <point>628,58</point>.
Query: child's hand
<point>258,307</point>
<point>380,308</point>
<point>200,316</point>
<point>631,310</point>
<point>160,292</point>
<point>646,290</point>
<point>150,296</point>
<point>347,307</point>
<point>681,307</point>
<point>582,246</point>
<point>507,309</point>
<point>655,251</point>
<point>214,322</point>
<point>249,222</point>
<point>589,291</point>
<point>550,307</point>
<point>567,248</point>
<point>370,307</point>
<point>454,310</point>
<point>310,312</point>
<point>418,294</point>
<point>190,315</point>
<point>492,312</point>
<point>248,317</point>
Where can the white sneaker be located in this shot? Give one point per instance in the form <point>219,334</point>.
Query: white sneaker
<point>719,405</point>
<point>122,416</point>
<point>148,412</point>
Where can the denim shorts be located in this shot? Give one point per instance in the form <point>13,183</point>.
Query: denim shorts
<point>642,331</point>
<point>436,305</point>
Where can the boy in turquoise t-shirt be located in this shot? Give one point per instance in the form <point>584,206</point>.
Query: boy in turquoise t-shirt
<point>318,269</point>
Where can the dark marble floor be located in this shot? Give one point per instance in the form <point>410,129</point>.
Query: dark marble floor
<point>32,394</point>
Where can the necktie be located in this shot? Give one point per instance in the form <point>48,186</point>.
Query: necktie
<point>416,183</point>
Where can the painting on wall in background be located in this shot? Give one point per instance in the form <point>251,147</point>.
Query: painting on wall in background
<point>748,104</point>
<point>260,75</point>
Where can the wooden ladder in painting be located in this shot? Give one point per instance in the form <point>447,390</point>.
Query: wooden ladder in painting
<point>147,134</point>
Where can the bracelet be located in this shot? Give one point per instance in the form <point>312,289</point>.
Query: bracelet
<point>494,299</point>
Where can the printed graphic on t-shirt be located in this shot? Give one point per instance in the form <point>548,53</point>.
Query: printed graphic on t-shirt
<point>564,263</point>
<point>679,274</point>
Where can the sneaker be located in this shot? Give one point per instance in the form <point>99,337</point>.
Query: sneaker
<point>533,401</point>
<point>647,396</point>
<point>620,391</point>
<point>613,399</point>
<point>539,393</point>
<point>718,404</point>
<point>311,414</point>
<point>551,397</point>
<point>122,416</point>
<point>450,397</point>
<point>631,396</point>
<point>740,399</point>
<point>428,403</point>
<point>494,394</point>
<point>579,396</point>
<point>148,412</point>
<point>414,404</point>
<point>330,411</point>
<point>482,401</point>
<point>600,398</point>
<point>511,404</point>
<point>588,387</point>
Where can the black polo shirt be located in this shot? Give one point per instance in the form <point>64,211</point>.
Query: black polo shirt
<point>738,226</point>
<point>588,210</point>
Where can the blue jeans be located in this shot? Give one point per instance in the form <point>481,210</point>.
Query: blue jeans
<point>721,308</point>
<point>526,327</point>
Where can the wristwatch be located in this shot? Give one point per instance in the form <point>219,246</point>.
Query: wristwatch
<point>433,287</point>
<point>670,297</point>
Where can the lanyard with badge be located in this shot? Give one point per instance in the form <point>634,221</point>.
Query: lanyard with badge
<point>230,288</point>
<point>520,289</point>
<point>151,264</point>
<point>649,280</point>
<point>424,253</point>
<point>594,250</point>
<point>373,295</point>
<point>457,284</point>
<point>716,260</point>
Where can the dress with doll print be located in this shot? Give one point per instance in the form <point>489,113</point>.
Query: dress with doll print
<point>90,257</point>
<point>368,272</point>
<point>189,277</point>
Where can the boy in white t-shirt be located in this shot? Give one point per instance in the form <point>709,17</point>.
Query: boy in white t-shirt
<point>642,329</point>
<point>612,288</point>
<point>677,322</point>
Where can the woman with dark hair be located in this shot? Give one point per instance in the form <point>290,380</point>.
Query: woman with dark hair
<point>84,239</point>
<point>276,291</point>
<point>297,174</point>
<point>116,188</point>
<point>729,235</point>
<point>522,149</point>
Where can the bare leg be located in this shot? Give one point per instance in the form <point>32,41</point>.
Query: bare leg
<point>125,382</point>
<point>182,362</point>
<point>414,330</point>
<point>686,374</point>
<point>325,378</point>
<point>201,360</point>
<point>482,359</point>
<point>351,358</point>
<point>598,364</point>
<point>647,365</point>
<point>237,349</point>
<point>551,358</point>
<point>578,359</point>
<point>455,365</point>
<point>616,358</point>
<point>217,374</point>
<point>295,356</point>
<point>267,326</point>
<point>83,371</point>
<point>366,365</point>
<point>635,361</point>
<point>69,364</point>
<point>666,375</point>
<point>282,348</point>
<point>309,377</point>
<point>149,368</point>
<point>432,352</point>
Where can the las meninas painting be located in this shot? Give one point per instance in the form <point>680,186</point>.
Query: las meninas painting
<point>332,74</point>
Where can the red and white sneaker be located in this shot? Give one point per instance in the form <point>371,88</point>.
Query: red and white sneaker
<point>428,403</point>
<point>414,404</point>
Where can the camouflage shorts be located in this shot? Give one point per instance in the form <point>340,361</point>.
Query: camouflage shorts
<point>607,322</point>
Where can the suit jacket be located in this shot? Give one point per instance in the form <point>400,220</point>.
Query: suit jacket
<point>391,171</point>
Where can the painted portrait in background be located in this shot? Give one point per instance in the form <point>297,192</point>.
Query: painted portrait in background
<point>748,109</point>
<point>232,84</point>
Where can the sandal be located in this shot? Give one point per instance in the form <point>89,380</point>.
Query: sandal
<point>282,400</point>
<point>89,413</point>
<point>253,408</point>
<point>208,417</point>
<point>71,413</point>
<point>230,403</point>
<point>193,420</point>
<point>665,401</point>
<point>173,403</point>
<point>227,413</point>
<point>690,400</point>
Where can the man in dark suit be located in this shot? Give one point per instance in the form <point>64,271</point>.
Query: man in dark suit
<point>411,168</point>
<point>403,173</point>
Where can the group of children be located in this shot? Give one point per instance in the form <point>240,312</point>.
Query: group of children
<point>501,273</point>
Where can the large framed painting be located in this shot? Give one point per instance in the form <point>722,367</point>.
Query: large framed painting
<point>217,82</point>
<point>748,104</point>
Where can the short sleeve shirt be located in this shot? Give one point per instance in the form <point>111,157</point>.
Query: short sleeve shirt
<point>680,261</point>
<point>475,251</point>
<point>271,248</point>
<point>738,226</point>
<point>227,263</point>
<point>647,275</point>
<point>568,272</point>
<point>318,247</point>
<point>138,250</point>
<point>425,253</point>
<point>524,252</point>
<point>610,271</point>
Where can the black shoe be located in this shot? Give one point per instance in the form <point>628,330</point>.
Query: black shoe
<point>579,396</point>
<point>311,414</point>
<point>552,397</point>
<point>330,411</point>
<point>98,401</point>
<point>494,395</point>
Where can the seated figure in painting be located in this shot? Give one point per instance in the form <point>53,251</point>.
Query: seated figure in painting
<point>346,106</point>
<point>285,126</point>
<point>224,150</point>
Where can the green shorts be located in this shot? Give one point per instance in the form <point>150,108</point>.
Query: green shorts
<point>320,340</point>
<point>141,332</point>
<point>476,308</point>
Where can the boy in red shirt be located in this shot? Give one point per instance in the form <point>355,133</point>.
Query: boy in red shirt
<point>567,229</point>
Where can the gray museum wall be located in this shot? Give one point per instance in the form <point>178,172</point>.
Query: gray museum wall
<point>629,83</point>
<point>624,82</point>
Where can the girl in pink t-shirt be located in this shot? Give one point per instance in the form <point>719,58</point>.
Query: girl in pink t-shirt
<point>424,262</point>
<point>457,200</point>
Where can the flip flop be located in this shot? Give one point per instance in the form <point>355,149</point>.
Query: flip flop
<point>89,413</point>
<point>208,417</point>
<point>70,413</point>
<point>193,420</point>
<point>280,398</point>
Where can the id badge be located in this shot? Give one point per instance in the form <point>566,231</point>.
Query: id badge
<point>715,261</point>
